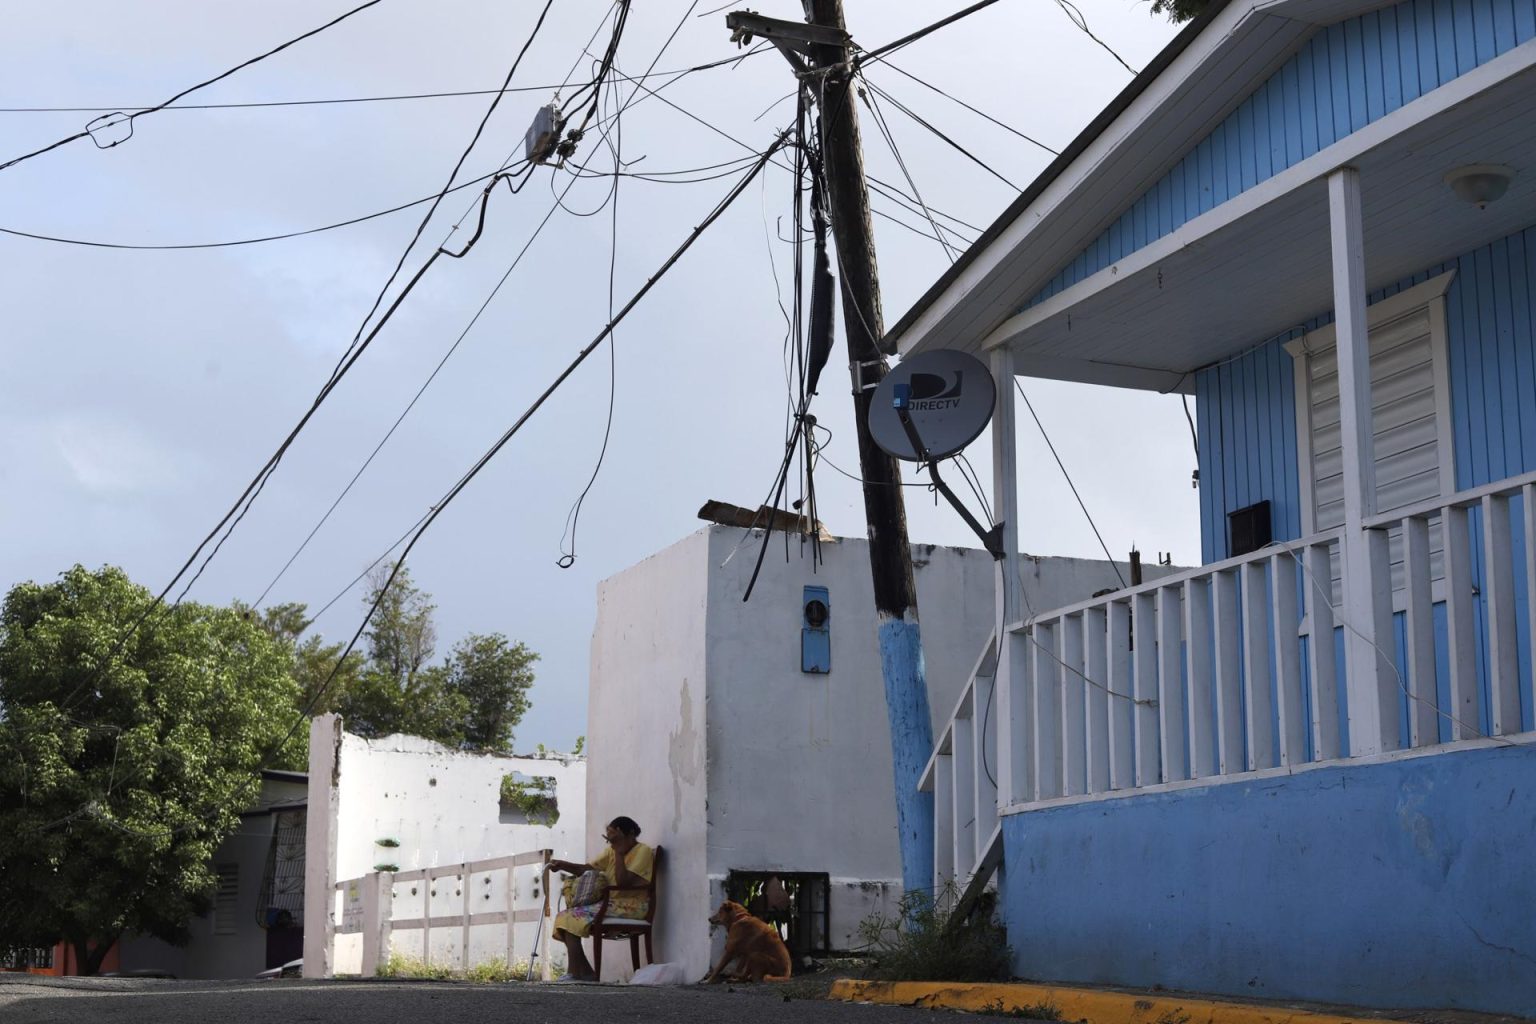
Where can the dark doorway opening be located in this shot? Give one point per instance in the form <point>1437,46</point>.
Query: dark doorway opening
<point>798,903</point>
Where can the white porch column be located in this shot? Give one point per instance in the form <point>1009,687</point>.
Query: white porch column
<point>1371,683</point>
<point>1009,592</point>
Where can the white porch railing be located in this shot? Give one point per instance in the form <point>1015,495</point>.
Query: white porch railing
<point>1237,667</point>
<point>370,904</point>
<point>1485,514</point>
<point>961,776</point>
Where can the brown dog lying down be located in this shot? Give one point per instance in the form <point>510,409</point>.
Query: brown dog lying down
<point>755,945</point>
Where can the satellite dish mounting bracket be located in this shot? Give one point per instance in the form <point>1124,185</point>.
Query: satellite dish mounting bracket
<point>991,539</point>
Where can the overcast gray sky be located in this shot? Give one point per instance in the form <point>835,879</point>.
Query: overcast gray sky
<point>139,391</point>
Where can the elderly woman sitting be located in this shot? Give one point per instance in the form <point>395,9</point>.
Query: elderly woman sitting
<point>626,863</point>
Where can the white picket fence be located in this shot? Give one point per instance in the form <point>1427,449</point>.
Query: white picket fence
<point>401,911</point>
<point>1234,668</point>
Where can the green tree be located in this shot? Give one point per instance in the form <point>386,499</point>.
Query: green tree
<point>396,690</point>
<point>492,676</point>
<point>313,662</point>
<point>401,634</point>
<point>124,764</point>
<point>473,700</point>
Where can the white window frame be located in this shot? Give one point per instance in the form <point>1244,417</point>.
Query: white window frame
<point>1431,295</point>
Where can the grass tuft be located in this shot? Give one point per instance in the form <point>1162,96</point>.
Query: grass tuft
<point>925,941</point>
<point>400,965</point>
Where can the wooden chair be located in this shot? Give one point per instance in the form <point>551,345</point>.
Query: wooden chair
<point>632,928</point>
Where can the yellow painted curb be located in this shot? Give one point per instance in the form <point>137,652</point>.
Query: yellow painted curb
<point>1094,1006</point>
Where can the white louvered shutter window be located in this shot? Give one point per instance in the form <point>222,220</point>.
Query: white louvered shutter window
<point>1410,435</point>
<point>226,899</point>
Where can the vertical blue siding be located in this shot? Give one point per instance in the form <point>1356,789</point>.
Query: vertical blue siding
<point>1247,423</point>
<point>1247,404</point>
<point>1343,78</point>
<point>1247,428</point>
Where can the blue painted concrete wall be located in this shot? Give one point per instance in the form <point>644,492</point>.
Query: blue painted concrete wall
<point>1394,885</point>
<point>1342,79</point>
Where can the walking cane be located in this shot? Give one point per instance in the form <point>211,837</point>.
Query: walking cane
<point>543,916</point>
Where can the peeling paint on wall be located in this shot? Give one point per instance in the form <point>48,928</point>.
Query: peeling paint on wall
<point>684,754</point>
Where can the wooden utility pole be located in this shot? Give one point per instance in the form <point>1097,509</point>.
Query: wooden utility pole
<point>890,552</point>
<point>828,75</point>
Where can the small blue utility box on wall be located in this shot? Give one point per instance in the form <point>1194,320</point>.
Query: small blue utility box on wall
<point>815,631</point>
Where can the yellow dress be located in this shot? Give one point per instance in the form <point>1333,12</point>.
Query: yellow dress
<point>578,920</point>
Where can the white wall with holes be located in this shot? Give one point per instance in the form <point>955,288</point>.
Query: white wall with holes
<point>402,803</point>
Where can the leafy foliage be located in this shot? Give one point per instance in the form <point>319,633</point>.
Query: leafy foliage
<point>1029,1011</point>
<point>473,700</point>
<point>124,765</point>
<point>925,941</point>
<point>533,796</point>
<point>493,676</point>
<point>311,663</point>
<point>1179,11</point>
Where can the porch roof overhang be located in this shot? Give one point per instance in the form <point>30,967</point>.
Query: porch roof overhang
<point>1252,267</point>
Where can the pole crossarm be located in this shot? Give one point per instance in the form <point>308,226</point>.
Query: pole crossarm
<point>800,35</point>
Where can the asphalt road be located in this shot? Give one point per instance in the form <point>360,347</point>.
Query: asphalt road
<point>32,1000</point>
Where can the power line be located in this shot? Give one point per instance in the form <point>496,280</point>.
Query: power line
<point>784,167</point>
<point>659,177</point>
<point>979,113</point>
<point>441,363</point>
<point>265,238</point>
<point>130,118</point>
<point>556,205</point>
<point>615,146</point>
<point>901,199</point>
<point>453,492</point>
<point>406,412</point>
<point>738,58</point>
<point>1075,15</point>
<point>731,167</point>
<point>915,230</point>
<point>243,504</point>
<point>573,517</point>
<point>479,129</point>
<point>1062,466</point>
<point>236,513</point>
<point>951,142</point>
<point>879,52</point>
<point>901,163</point>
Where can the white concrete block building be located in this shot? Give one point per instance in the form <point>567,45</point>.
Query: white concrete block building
<point>704,727</point>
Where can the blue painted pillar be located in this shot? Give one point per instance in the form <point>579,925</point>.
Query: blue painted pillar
<point>906,702</point>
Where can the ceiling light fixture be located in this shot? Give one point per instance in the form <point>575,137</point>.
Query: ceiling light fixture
<point>1480,184</point>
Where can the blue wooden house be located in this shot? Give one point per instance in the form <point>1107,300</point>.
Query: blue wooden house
<point>1306,769</point>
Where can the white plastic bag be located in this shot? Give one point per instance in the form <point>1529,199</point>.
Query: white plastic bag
<point>658,974</point>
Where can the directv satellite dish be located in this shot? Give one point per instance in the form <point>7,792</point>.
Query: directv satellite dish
<point>928,409</point>
<point>948,397</point>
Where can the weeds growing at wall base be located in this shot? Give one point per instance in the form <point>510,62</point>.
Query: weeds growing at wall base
<point>1034,1011</point>
<point>925,941</point>
<point>400,965</point>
